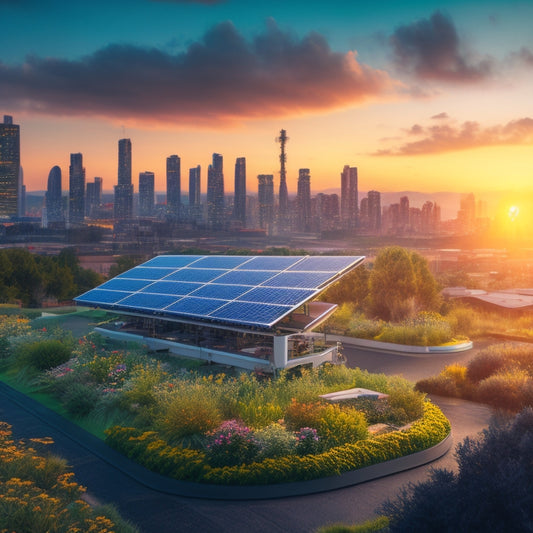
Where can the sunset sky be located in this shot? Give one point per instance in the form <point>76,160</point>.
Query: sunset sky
<point>419,96</point>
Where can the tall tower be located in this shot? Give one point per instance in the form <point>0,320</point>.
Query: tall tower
<point>374,211</point>
<point>283,194</point>
<point>146,194</point>
<point>76,193</point>
<point>173,185</point>
<point>124,189</point>
<point>215,194</point>
<point>349,197</point>
<point>265,196</point>
<point>239,203</point>
<point>53,202</point>
<point>10,171</point>
<point>304,200</point>
<point>195,207</point>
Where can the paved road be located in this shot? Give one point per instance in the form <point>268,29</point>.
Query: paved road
<point>157,512</point>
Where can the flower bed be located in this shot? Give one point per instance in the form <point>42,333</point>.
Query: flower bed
<point>190,465</point>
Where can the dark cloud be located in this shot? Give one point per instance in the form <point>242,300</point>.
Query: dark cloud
<point>450,137</point>
<point>222,77</point>
<point>440,116</point>
<point>524,57</point>
<point>430,49</point>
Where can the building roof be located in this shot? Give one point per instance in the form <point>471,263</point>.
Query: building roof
<point>509,299</point>
<point>256,291</point>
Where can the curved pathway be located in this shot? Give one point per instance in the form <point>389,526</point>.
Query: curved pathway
<point>152,511</point>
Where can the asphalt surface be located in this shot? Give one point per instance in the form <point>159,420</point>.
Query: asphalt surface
<point>154,511</point>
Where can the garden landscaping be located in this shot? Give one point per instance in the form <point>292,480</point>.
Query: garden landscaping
<point>203,424</point>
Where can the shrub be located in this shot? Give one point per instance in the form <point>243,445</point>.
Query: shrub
<point>80,399</point>
<point>439,385</point>
<point>485,364</point>
<point>299,415</point>
<point>505,391</point>
<point>43,355</point>
<point>405,403</point>
<point>231,444</point>
<point>186,412</point>
<point>338,426</point>
<point>275,441</point>
<point>308,441</point>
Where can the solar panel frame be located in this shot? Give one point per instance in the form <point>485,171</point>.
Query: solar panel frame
<point>243,290</point>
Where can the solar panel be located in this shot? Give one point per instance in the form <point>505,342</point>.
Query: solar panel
<point>179,288</point>
<point>223,292</point>
<point>221,261</point>
<point>98,296</point>
<point>277,296</point>
<point>322,263</point>
<point>245,277</point>
<point>251,313</point>
<point>124,284</point>
<point>148,301</point>
<point>308,280</point>
<point>252,290</point>
<point>174,261</point>
<point>196,306</point>
<point>270,262</point>
<point>142,272</point>
<point>198,275</point>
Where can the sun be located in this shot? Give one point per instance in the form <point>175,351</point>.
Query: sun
<point>513,212</point>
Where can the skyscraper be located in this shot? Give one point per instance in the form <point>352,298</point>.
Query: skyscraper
<point>93,199</point>
<point>53,201</point>
<point>124,189</point>
<point>304,200</point>
<point>10,170</point>
<point>239,203</point>
<point>194,186</point>
<point>374,211</point>
<point>265,196</point>
<point>146,194</point>
<point>215,194</point>
<point>349,197</point>
<point>76,193</point>
<point>173,185</point>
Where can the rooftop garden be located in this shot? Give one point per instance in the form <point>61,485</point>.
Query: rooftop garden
<point>201,423</point>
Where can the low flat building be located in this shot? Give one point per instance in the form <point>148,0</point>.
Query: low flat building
<point>253,312</point>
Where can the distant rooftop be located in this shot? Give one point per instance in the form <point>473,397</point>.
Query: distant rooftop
<point>508,299</point>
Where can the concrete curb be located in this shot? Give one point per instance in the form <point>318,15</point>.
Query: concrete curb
<point>175,487</point>
<point>401,349</point>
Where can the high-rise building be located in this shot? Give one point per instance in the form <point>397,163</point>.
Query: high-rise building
<point>404,212</point>
<point>327,212</point>
<point>374,211</point>
<point>195,202</point>
<point>304,200</point>
<point>349,197</point>
<point>146,194</point>
<point>10,171</point>
<point>239,203</point>
<point>265,196</point>
<point>76,193</point>
<point>194,186</point>
<point>215,194</point>
<point>93,199</point>
<point>173,185</point>
<point>124,189</point>
<point>53,200</point>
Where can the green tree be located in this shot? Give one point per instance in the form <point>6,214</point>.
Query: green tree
<point>392,284</point>
<point>25,277</point>
<point>400,285</point>
<point>352,288</point>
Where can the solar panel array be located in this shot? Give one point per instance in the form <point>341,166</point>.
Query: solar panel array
<point>244,290</point>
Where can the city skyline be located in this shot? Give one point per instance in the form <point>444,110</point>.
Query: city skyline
<point>426,97</point>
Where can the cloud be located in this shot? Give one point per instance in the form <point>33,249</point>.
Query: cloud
<point>207,2</point>
<point>220,78</point>
<point>430,49</point>
<point>523,57</point>
<point>450,137</point>
<point>440,116</point>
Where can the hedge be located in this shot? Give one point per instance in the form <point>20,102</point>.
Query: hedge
<point>189,465</point>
